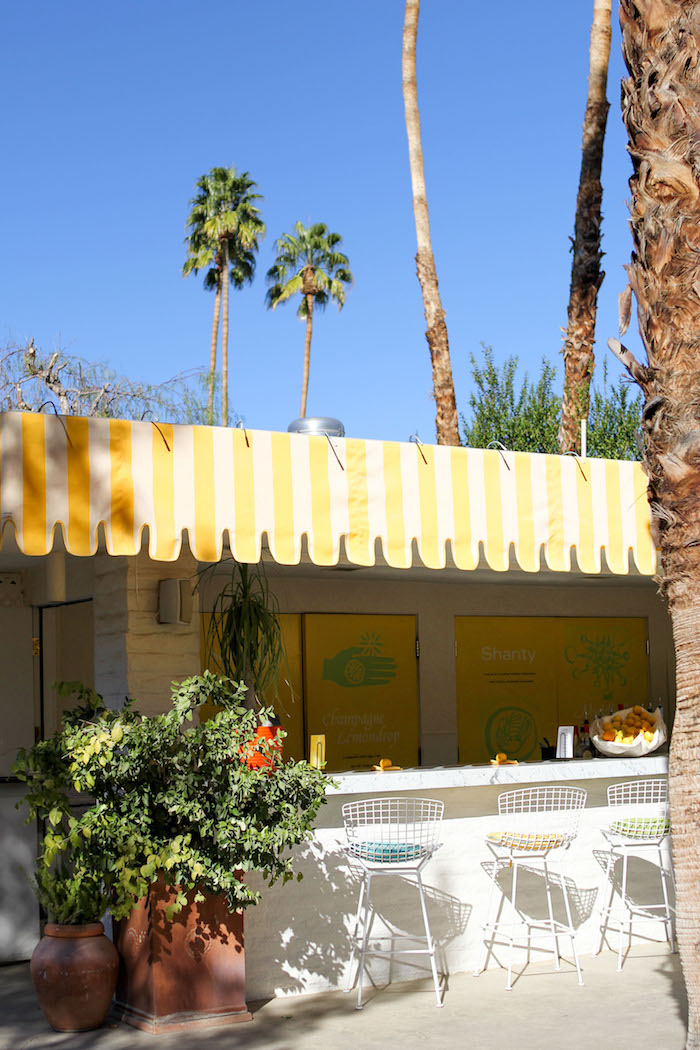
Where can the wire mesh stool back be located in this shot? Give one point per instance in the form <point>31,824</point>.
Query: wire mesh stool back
<point>392,831</point>
<point>390,836</point>
<point>539,819</point>
<point>638,824</point>
<point>535,826</point>
<point>641,809</point>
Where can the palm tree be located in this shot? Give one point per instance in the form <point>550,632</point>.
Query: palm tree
<point>586,274</point>
<point>661,108</point>
<point>310,263</point>
<point>226,228</point>
<point>436,334</point>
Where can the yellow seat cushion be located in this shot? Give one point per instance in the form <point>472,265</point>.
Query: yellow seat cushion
<point>533,842</point>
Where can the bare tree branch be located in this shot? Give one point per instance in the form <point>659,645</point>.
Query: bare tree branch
<point>33,382</point>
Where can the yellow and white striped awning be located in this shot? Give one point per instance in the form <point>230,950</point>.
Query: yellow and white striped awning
<point>79,475</point>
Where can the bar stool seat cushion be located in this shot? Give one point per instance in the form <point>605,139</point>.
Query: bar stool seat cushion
<point>534,842</point>
<point>388,852</point>
<point>641,827</point>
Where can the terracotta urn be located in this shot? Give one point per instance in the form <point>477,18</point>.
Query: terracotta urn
<point>74,969</point>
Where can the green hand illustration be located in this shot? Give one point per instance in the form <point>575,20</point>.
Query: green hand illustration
<point>354,667</point>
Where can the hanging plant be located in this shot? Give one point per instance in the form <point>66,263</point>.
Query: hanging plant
<point>243,639</point>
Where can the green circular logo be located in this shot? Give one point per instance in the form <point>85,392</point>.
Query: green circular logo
<point>512,730</point>
<point>355,671</point>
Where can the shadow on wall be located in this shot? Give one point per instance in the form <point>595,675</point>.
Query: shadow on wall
<point>299,938</point>
<point>644,887</point>
<point>532,897</point>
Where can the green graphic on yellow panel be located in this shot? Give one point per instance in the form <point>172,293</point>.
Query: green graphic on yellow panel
<point>361,665</point>
<point>603,664</point>
<point>360,688</point>
<point>512,731</point>
<point>520,677</point>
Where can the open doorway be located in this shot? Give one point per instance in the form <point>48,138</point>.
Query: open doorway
<point>67,655</point>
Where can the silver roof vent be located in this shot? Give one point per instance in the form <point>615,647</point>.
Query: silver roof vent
<point>317,425</point>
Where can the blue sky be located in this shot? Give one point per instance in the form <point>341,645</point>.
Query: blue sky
<point>117,109</point>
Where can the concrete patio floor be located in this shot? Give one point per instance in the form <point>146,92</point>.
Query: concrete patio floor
<point>642,1007</point>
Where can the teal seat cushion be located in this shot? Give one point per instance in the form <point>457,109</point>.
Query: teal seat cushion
<point>388,852</point>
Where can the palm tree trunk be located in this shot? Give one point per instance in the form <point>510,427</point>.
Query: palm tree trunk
<point>661,108</point>
<point>307,353</point>
<point>212,355</point>
<point>224,335</point>
<point>436,334</point>
<point>684,793</point>
<point>586,274</point>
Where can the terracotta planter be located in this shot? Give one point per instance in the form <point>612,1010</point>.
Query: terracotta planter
<point>187,972</point>
<point>253,754</point>
<point>74,969</point>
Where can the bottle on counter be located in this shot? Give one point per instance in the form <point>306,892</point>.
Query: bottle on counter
<point>582,738</point>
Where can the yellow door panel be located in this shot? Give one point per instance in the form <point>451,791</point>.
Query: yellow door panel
<point>506,686</point>
<point>518,678</point>
<point>361,688</point>
<point>288,702</point>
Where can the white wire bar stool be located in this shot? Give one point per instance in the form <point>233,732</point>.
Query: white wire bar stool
<point>536,827</point>
<point>639,826</point>
<point>390,836</point>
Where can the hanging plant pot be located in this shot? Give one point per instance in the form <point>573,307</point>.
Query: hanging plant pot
<point>74,969</point>
<point>265,751</point>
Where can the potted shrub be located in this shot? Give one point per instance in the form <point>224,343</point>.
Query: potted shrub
<point>74,966</point>
<point>178,820</point>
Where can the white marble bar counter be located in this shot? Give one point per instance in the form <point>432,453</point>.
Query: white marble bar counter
<point>556,771</point>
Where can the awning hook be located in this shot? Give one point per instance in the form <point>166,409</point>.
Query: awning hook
<point>162,435</point>
<point>328,439</point>
<point>501,448</point>
<point>417,441</point>
<point>578,463</point>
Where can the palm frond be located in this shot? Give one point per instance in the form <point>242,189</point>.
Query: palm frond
<point>279,293</point>
<point>224,209</point>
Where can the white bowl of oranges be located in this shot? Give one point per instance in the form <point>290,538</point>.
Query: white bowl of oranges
<point>630,733</point>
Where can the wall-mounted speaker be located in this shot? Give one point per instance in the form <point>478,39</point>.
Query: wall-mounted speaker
<point>174,601</point>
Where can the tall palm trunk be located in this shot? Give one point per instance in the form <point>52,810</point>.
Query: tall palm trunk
<point>224,334</point>
<point>436,334</point>
<point>307,352</point>
<point>212,354</point>
<point>586,274</point>
<point>661,108</point>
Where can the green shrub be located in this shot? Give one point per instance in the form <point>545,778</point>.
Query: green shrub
<point>167,795</point>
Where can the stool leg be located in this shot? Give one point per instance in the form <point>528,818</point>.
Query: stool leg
<point>572,931</point>
<point>552,924</point>
<point>513,913</point>
<point>605,909</point>
<point>366,923</point>
<point>350,984</point>
<point>429,938</point>
<point>484,950</point>
<point>625,916</point>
